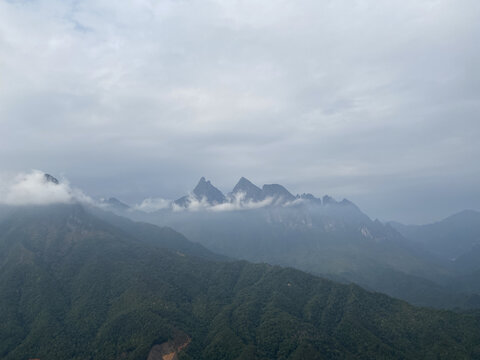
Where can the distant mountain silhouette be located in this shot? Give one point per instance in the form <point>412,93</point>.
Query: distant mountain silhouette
<point>203,191</point>
<point>251,191</point>
<point>446,239</point>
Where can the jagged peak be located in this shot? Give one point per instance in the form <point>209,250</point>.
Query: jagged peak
<point>246,186</point>
<point>205,189</point>
<point>249,189</point>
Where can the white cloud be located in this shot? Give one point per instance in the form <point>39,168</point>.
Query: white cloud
<point>33,189</point>
<point>236,202</point>
<point>193,204</point>
<point>153,204</point>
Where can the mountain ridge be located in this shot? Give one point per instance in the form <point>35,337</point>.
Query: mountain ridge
<point>107,295</point>
<point>244,190</point>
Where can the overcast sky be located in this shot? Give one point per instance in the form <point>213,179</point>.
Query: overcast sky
<point>375,101</point>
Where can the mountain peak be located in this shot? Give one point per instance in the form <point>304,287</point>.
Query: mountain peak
<point>277,192</point>
<point>205,189</point>
<point>251,191</point>
<point>244,180</point>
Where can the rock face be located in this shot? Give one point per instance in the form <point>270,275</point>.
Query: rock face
<point>252,192</point>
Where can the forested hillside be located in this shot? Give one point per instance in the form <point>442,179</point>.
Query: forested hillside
<point>73,286</point>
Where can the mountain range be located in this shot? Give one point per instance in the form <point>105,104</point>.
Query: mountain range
<point>244,190</point>
<point>448,239</point>
<point>77,282</point>
<point>326,237</point>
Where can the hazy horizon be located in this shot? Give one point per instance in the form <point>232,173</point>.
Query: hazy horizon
<point>34,188</point>
<point>376,102</point>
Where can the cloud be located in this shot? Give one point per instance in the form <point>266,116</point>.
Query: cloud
<point>153,204</point>
<point>34,189</point>
<point>236,202</point>
<point>355,98</point>
<point>192,204</point>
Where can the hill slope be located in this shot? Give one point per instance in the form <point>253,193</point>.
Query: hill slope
<point>447,239</point>
<point>73,286</point>
<point>329,238</point>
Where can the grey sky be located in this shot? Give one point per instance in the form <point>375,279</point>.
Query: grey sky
<point>376,101</point>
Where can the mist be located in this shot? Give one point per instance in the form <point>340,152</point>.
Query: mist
<point>38,188</point>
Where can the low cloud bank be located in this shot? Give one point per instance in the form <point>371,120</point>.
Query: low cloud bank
<point>236,202</point>
<point>38,188</point>
<point>35,188</point>
<point>153,204</point>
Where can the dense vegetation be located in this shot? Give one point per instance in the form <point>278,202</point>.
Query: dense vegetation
<point>73,286</point>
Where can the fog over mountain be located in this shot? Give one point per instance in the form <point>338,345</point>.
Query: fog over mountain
<point>323,236</point>
<point>329,238</point>
<point>373,101</point>
<point>39,188</point>
<point>248,180</point>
